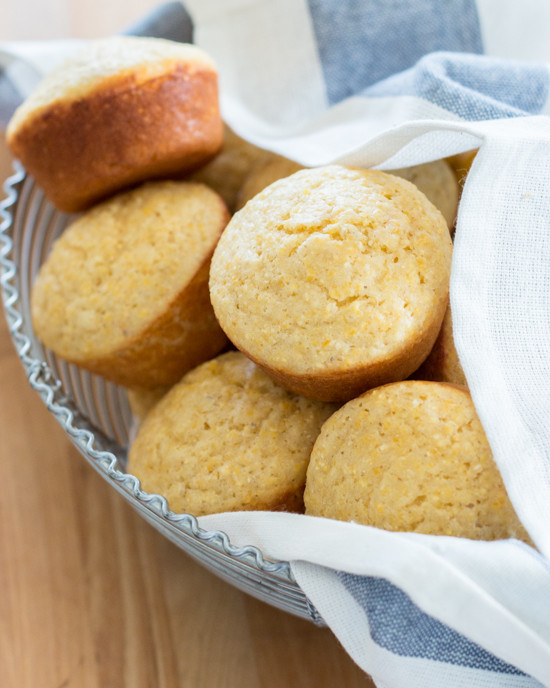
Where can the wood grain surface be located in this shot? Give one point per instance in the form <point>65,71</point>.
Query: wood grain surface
<point>91,596</point>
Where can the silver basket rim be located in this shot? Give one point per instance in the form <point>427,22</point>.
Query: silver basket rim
<point>44,382</point>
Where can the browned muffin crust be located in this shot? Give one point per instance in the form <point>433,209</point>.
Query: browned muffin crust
<point>83,150</point>
<point>163,352</point>
<point>343,385</point>
<point>124,291</point>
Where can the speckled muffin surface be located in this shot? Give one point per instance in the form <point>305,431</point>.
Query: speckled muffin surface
<point>124,291</point>
<point>334,280</point>
<point>120,111</point>
<point>410,456</point>
<point>227,438</point>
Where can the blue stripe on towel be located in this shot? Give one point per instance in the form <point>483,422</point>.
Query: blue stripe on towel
<point>399,626</point>
<point>361,42</point>
<point>474,87</point>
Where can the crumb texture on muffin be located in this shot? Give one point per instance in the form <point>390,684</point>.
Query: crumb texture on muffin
<point>124,291</point>
<point>227,438</point>
<point>411,456</point>
<point>334,270</point>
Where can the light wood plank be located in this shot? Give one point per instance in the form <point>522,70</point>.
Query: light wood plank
<point>91,595</point>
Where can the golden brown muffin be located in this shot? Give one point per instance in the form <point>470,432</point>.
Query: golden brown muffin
<point>227,438</point>
<point>438,182</point>
<point>334,280</point>
<point>435,179</point>
<point>124,292</point>
<point>263,174</point>
<point>141,401</point>
<point>120,111</point>
<point>411,456</point>
<point>443,364</point>
<point>226,172</point>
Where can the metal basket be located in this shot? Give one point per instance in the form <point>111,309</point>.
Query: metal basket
<point>95,413</point>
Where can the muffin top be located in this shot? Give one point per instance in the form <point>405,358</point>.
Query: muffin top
<point>121,264</point>
<point>226,438</point>
<point>103,60</point>
<point>411,456</point>
<point>328,267</point>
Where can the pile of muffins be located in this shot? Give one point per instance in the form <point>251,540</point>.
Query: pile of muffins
<point>283,333</point>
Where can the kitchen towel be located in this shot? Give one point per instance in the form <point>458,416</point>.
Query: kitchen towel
<point>392,83</point>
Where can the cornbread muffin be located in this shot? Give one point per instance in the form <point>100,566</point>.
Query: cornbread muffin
<point>227,172</point>
<point>410,456</point>
<point>124,291</point>
<point>141,401</point>
<point>438,182</point>
<point>435,179</point>
<point>227,438</point>
<point>120,111</point>
<point>333,280</point>
<point>443,364</point>
<point>263,174</point>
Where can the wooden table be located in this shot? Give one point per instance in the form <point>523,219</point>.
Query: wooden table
<point>90,595</point>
